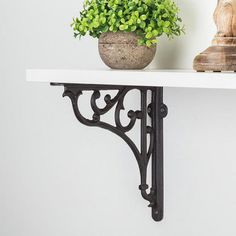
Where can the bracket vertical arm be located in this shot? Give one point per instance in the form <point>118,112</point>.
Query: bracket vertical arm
<point>158,113</point>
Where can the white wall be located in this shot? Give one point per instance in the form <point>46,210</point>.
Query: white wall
<point>58,177</point>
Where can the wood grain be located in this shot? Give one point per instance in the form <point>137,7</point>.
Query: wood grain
<point>225,18</point>
<point>221,56</point>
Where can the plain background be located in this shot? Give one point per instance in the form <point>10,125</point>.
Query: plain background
<point>58,177</point>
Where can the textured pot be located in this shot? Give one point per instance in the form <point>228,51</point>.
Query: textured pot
<point>120,50</point>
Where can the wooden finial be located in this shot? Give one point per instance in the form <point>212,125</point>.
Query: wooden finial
<point>221,56</point>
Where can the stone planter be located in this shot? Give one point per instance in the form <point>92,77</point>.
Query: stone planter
<point>121,51</point>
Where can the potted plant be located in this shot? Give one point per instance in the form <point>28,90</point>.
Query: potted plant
<point>128,29</point>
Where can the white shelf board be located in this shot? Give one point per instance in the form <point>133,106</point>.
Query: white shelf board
<point>152,78</point>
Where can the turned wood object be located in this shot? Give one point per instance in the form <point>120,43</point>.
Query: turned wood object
<point>221,56</point>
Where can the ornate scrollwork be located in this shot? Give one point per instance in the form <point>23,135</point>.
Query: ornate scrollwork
<point>148,147</point>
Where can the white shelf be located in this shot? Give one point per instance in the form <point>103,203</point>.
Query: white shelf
<point>152,78</point>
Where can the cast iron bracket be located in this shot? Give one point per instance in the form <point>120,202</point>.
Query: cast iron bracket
<point>151,147</point>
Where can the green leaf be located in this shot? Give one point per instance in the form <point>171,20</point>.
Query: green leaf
<point>105,28</point>
<point>154,33</point>
<point>140,9</point>
<point>139,21</point>
<point>142,24</point>
<point>149,43</point>
<point>103,20</point>
<point>96,24</point>
<point>143,17</point>
<point>81,28</point>
<point>122,27</point>
<point>136,13</point>
<point>166,24</point>
<point>122,20</point>
<point>154,41</point>
<point>166,30</point>
<point>141,41</point>
<point>120,13</point>
<point>149,35</point>
<point>133,28</point>
<point>130,22</point>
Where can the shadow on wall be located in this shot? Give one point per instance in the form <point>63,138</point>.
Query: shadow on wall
<point>170,53</point>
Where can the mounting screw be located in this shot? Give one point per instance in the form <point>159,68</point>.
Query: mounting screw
<point>163,110</point>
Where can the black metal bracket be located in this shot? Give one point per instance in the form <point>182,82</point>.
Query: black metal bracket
<point>151,147</point>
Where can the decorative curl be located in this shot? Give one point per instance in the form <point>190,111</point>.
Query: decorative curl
<point>75,91</point>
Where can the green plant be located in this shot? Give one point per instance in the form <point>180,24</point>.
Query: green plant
<point>148,18</point>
